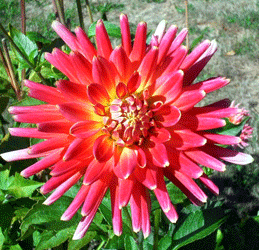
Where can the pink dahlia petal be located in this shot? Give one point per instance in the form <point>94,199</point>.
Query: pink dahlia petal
<point>85,129</point>
<point>45,108</point>
<point>65,34</point>
<point>72,91</point>
<point>125,187</point>
<point>223,139</point>
<point>83,66</point>
<point>104,74</point>
<point>76,203</point>
<point>185,139</point>
<point>121,90</point>
<point>159,154</point>
<point>116,211</point>
<point>94,170</point>
<point>169,86</point>
<point>62,167</point>
<point>125,34</point>
<point>188,99</point>
<point>135,207</point>
<point>86,46</point>
<point>214,112</point>
<point>126,163</point>
<point>195,55</point>
<point>178,40</point>
<point>162,194</point>
<point>188,186</point>
<point>79,147</point>
<point>172,214</point>
<point>209,85</point>
<point>54,182</point>
<point>134,82</point>
<point>122,63</point>
<point>230,155</point>
<point>141,157</point>
<point>166,42</point>
<point>147,176</point>
<point>44,163</point>
<point>183,164</point>
<point>50,144</point>
<point>76,112</point>
<point>148,65</point>
<point>97,94</point>
<point>139,47</point>
<point>196,68</point>
<point>209,184</point>
<point>61,126</point>
<point>36,118</point>
<point>62,62</point>
<point>199,123</point>
<point>20,154</point>
<point>173,62</point>
<point>145,212</point>
<point>168,115</point>
<point>104,47</point>
<point>31,132</point>
<point>103,148</point>
<point>64,187</point>
<point>206,160</point>
<point>44,93</point>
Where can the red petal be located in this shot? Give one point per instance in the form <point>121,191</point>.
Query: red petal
<point>206,160</point>
<point>188,99</point>
<point>223,139</point>
<point>103,148</point>
<point>126,163</point>
<point>209,184</point>
<point>98,94</point>
<point>73,91</point>
<point>104,47</point>
<point>178,40</point>
<point>139,46</point>
<point>125,33</point>
<point>121,90</point>
<point>169,86</point>
<point>125,191</point>
<point>134,82</point>
<point>159,154</point>
<point>85,129</point>
<point>168,115</point>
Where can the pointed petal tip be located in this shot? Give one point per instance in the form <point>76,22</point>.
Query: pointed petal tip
<point>64,218</point>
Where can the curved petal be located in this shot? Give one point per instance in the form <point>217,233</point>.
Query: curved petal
<point>103,148</point>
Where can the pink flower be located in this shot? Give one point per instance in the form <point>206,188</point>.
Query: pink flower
<point>238,117</point>
<point>124,120</point>
<point>245,135</point>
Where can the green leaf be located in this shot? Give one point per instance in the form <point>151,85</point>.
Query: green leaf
<point>27,47</point>
<point>232,129</point>
<point>22,187</point>
<point>3,103</point>
<point>112,29</point>
<point>51,239</point>
<point>2,239</point>
<point>5,180</point>
<point>130,243</point>
<point>48,216</point>
<point>165,242</point>
<point>29,101</point>
<point>197,225</point>
<point>6,215</point>
<point>176,195</point>
<point>105,209</point>
<point>15,247</point>
<point>37,37</point>
<point>78,244</point>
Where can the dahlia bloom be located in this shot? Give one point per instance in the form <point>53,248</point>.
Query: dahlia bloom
<point>124,120</point>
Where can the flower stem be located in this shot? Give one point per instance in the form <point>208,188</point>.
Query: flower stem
<point>156,227</point>
<point>11,74</point>
<point>23,27</point>
<point>60,9</point>
<point>80,14</point>
<point>89,11</point>
<point>22,55</point>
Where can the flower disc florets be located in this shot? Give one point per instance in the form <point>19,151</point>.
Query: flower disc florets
<point>124,120</point>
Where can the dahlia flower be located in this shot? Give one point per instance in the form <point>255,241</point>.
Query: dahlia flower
<point>124,120</point>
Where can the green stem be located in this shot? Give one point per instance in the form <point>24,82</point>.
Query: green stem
<point>60,8</point>
<point>89,11</point>
<point>100,246</point>
<point>22,55</point>
<point>80,14</point>
<point>156,227</point>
